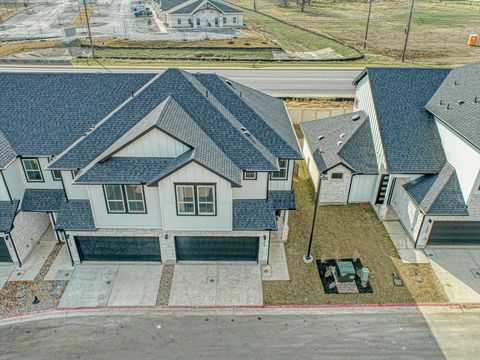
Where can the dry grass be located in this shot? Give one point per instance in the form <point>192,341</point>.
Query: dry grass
<point>318,103</point>
<point>80,19</point>
<point>341,232</point>
<point>12,48</point>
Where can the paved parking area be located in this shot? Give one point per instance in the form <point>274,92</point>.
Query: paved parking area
<point>458,270</point>
<point>112,285</point>
<point>216,285</point>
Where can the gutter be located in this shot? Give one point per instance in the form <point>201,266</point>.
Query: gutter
<point>6,187</point>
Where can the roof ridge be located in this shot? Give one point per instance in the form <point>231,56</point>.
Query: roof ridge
<point>230,118</point>
<point>102,121</point>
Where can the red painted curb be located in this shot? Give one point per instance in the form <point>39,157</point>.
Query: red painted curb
<point>258,307</point>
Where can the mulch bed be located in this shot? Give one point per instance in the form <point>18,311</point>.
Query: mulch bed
<point>330,285</point>
<point>165,285</point>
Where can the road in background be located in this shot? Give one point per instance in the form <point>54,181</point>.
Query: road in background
<point>281,83</point>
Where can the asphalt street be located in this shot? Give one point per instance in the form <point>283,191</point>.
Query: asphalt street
<point>153,335</point>
<point>285,83</point>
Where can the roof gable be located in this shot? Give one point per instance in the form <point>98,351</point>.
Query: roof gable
<point>409,135</point>
<point>457,102</point>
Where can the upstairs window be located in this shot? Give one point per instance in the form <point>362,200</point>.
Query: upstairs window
<point>196,199</point>
<point>281,174</point>
<point>33,172</point>
<point>234,20</point>
<point>57,175</point>
<point>75,173</point>
<point>336,176</point>
<point>198,21</point>
<point>224,20</point>
<point>179,21</point>
<point>125,199</point>
<point>250,175</point>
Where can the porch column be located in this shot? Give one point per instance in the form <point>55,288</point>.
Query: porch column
<point>285,226</point>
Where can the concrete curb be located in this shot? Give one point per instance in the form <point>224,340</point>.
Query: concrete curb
<point>239,311</point>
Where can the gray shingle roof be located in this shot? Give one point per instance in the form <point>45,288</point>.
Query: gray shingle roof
<point>170,4</point>
<point>75,215</point>
<point>7,154</point>
<point>356,151</point>
<point>253,215</point>
<point>438,194</point>
<point>42,200</point>
<point>57,108</point>
<point>409,135</point>
<point>220,5</point>
<point>282,199</point>
<point>245,152</point>
<point>454,102</point>
<point>8,211</point>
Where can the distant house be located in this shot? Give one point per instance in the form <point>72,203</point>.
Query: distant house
<point>200,14</point>
<point>412,147</point>
<point>143,167</point>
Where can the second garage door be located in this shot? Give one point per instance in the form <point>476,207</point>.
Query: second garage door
<point>118,248</point>
<point>213,248</point>
<point>455,233</point>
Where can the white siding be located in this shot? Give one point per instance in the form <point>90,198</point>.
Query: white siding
<point>463,157</point>
<point>48,183</point>
<point>252,189</point>
<point>73,191</point>
<point>194,173</point>
<point>283,184</point>
<point>408,213</point>
<point>365,103</point>
<point>155,143</point>
<point>152,219</point>
<point>28,228</point>
<point>14,180</point>
<point>363,188</point>
<point>311,166</point>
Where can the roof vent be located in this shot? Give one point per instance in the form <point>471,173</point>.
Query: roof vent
<point>206,93</point>
<point>228,82</point>
<point>339,143</point>
<point>355,117</point>
<point>321,137</point>
<point>441,102</point>
<point>461,102</point>
<point>246,133</point>
<point>455,82</point>
<point>342,136</point>
<point>448,106</point>
<point>243,128</point>
<point>476,99</point>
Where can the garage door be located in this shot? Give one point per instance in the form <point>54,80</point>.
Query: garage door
<point>455,233</point>
<point>212,248</point>
<point>4,254</point>
<point>118,248</point>
<point>362,188</point>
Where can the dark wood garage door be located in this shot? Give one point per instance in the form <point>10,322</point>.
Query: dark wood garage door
<point>213,248</point>
<point>118,248</point>
<point>455,233</point>
<point>4,254</point>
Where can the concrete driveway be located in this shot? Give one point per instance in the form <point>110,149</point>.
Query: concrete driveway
<point>216,285</point>
<point>112,285</point>
<point>458,270</point>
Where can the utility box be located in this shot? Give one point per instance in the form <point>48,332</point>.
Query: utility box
<point>473,40</point>
<point>364,274</point>
<point>69,34</point>
<point>345,271</point>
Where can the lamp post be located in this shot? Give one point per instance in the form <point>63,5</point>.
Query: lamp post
<point>308,259</point>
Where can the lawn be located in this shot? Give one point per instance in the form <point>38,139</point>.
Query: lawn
<point>341,232</point>
<point>439,32</point>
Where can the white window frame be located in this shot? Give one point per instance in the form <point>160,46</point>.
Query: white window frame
<point>27,171</point>
<point>336,178</point>
<point>142,201</point>
<point>213,202</point>
<point>250,175</point>
<point>178,202</point>
<point>122,201</point>
<point>273,175</point>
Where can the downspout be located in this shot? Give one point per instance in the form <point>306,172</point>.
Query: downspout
<point>9,235</point>
<point>6,186</point>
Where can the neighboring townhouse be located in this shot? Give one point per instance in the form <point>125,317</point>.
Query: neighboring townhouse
<point>200,14</point>
<point>144,167</point>
<point>411,148</point>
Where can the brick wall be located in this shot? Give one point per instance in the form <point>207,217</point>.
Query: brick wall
<point>28,229</point>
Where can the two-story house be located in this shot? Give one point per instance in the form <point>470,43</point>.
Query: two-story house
<point>143,167</point>
<point>411,146</point>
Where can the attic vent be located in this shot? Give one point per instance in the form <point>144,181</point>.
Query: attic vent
<point>206,93</point>
<point>339,143</point>
<point>476,99</point>
<point>342,136</point>
<point>355,117</point>
<point>321,137</point>
<point>246,133</point>
<point>455,82</point>
<point>461,102</point>
<point>441,102</point>
<point>228,82</point>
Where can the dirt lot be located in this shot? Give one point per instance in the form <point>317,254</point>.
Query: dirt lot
<point>341,232</point>
<point>439,29</point>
